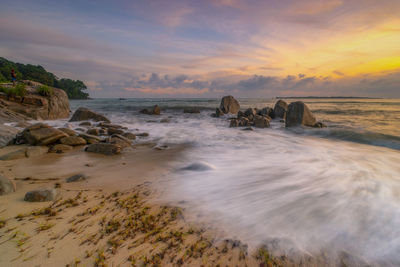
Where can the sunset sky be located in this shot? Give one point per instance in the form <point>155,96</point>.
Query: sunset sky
<point>204,48</point>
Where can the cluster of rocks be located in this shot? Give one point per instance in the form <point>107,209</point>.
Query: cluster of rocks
<point>295,114</point>
<point>156,110</point>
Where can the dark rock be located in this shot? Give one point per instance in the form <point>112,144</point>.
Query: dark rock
<point>319,125</point>
<point>280,109</point>
<point>191,110</point>
<point>6,186</point>
<point>41,195</point>
<point>299,114</point>
<point>130,136</point>
<point>85,123</point>
<point>60,148</point>
<point>244,122</point>
<point>234,123</point>
<point>162,147</point>
<point>109,125</point>
<point>248,129</point>
<point>165,120</point>
<point>76,178</point>
<point>104,148</point>
<point>261,121</point>
<point>142,134</point>
<point>41,134</point>
<point>84,114</point>
<point>155,111</point>
<point>73,141</point>
<point>218,112</point>
<point>111,131</point>
<point>250,111</point>
<point>267,111</point>
<point>240,114</point>
<point>229,105</point>
<point>93,131</point>
<point>198,167</point>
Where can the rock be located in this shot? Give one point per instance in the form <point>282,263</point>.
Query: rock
<point>299,114</point>
<point>35,106</point>
<point>250,111</point>
<point>280,109</point>
<point>229,104</point>
<point>90,139</point>
<point>130,136</point>
<point>162,147</point>
<point>41,195</point>
<point>60,148</point>
<point>7,134</point>
<point>165,120</point>
<point>218,112</point>
<point>36,151</point>
<point>155,111</point>
<point>117,139</point>
<point>109,125</point>
<point>13,152</point>
<point>76,178</point>
<point>240,114</point>
<point>40,134</point>
<point>191,110</point>
<point>93,131</point>
<point>248,129</point>
<point>111,131</point>
<point>85,123</point>
<point>267,111</point>
<point>244,122</point>
<point>22,124</point>
<point>73,141</point>
<point>198,167</point>
<point>80,129</point>
<point>84,114</point>
<point>142,134</point>
<point>234,123</point>
<point>103,148</point>
<point>68,131</point>
<point>6,186</point>
<point>261,121</point>
<point>319,125</point>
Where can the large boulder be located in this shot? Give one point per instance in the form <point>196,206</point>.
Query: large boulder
<point>6,185</point>
<point>156,110</point>
<point>41,195</point>
<point>299,114</point>
<point>73,141</point>
<point>40,134</point>
<point>84,114</point>
<point>229,105</point>
<point>103,148</point>
<point>280,109</point>
<point>119,140</point>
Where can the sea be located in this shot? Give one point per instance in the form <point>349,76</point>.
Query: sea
<point>334,190</point>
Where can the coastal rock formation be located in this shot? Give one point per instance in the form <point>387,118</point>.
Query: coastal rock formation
<point>251,117</point>
<point>60,148</point>
<point>84,114</point>
<point>6,186</point>
<point>267,111</point>
<point>36,106</point>
<point>41,195</point>
<point>104,148</point>
<point>261,121</point>
<point>73,141</point>
<point>280,109</point>
<point>299,114</point>
<point>40,134</point>
<point>191,110</point>
<point>156,110</point>
<point>229,105</point>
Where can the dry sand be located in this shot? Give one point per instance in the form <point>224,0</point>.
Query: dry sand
<point>113,218</point>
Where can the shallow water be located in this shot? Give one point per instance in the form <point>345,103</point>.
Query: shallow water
<point>335,189</point>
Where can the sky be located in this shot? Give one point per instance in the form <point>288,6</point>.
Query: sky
<point>204,48</point>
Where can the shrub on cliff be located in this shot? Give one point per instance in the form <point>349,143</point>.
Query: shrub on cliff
<point>44,90</point>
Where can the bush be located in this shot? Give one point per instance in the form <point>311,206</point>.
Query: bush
<point>44,90</point>
<point>19,90</point>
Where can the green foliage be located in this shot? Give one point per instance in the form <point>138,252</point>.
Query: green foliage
<point>73,88</point>
<point>44,90</point>
<point>18,90</point>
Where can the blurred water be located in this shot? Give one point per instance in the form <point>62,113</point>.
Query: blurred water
<point>335,189</point>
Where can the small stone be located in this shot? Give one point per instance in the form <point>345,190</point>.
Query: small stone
<point>76,178</point>
<point>103,148</point>
<point>41,195</point>
<point>85,123</point>
<point>142,134</point>
<point>165,120</point>
<point>248,129</point>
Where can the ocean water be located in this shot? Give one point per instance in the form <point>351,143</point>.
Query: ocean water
<point>334,190</point>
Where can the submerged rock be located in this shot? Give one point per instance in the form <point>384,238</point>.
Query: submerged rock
<point>299,114</point>
<point>41,195</point>
<point>6,186</point>
<point>104,148</point>
<point>156,110</point>
<point>280,109</point>
<point>229,105</point>
<point>198,167</point>
<point>84,114</point>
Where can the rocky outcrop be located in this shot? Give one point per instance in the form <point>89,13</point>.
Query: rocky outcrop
<point>41,195</point>
<point>299,114</point>
<point>229,105</point>
<point>280,109</point>
<point>156,110</point>
<point>104,148</point>
<point>40,134</point>
<point>6,185</point>
<point>252,117</point>
<point>35,106</point>
<point>84,114</point>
